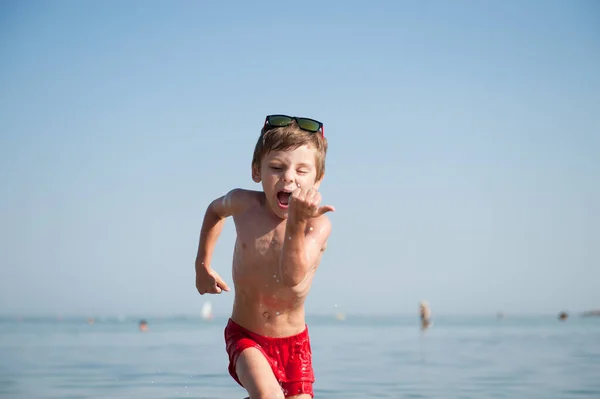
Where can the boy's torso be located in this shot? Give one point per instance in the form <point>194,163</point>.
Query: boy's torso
<point>263,304</point>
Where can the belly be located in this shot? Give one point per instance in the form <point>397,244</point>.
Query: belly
<point>268,318</point>
<point>268,308</point>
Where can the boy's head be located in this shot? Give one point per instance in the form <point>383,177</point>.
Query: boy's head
<point>289,137</point>
<point>289,153</point>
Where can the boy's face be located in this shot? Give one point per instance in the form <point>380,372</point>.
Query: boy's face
<point>282,172</point>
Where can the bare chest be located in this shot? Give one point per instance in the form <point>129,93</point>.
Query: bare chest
<point>259,243</point>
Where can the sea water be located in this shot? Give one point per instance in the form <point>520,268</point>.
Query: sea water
<point>359,357</point>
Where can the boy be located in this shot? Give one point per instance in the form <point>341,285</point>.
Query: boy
<point>282,232</point>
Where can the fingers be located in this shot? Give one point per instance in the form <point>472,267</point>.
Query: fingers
<point>212,290</point>
<point>312,200</point>
<point>324,209</point>
<point>218,286</point>
<point>308,195</point>
<point>312,197</point>
<point>298,194</point>
<point>222,285</point>
<point>309,200</point>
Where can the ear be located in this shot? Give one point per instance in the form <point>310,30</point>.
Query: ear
<point>256,174</point>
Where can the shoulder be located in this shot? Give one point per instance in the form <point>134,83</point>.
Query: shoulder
<point>235,201</point>
<point>320,228</point>
<point>323,223</point>
<point>240,194</point>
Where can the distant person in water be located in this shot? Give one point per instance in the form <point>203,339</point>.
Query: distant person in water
<point>282,232</point>
<point>143,326</point>
<point>563,316</point>
<point>425,314</point>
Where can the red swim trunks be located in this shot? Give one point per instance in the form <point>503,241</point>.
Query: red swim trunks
<point>290,357</point>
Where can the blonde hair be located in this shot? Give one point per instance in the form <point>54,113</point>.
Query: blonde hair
<point>290,137</point>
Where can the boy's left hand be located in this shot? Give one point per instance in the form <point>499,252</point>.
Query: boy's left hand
<point>304,204</point>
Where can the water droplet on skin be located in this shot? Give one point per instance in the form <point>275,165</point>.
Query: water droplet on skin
<point>277,314</point>
<point>274,276</point>
<point>266,315</point>
<point>311,229</point>
<point>289,237</point>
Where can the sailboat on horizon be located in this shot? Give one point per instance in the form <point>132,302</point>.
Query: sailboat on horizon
<point>207,313</point>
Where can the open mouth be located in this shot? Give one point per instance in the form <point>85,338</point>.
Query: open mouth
<point>283,198</point>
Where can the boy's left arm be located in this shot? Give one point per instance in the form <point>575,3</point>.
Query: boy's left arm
<point>307,231</point>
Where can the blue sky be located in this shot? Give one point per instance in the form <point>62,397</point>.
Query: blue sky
<point>463,164</point>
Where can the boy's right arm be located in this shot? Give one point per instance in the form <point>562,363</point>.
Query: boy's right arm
<point>207,280</point>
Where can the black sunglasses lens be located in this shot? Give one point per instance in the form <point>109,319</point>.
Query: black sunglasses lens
<point>279,120</point>
<point>309,124</point>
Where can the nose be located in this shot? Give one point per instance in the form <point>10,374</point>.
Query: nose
<point>289,175</point>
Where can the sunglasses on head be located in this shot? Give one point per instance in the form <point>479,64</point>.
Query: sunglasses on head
<point>310,125</point>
